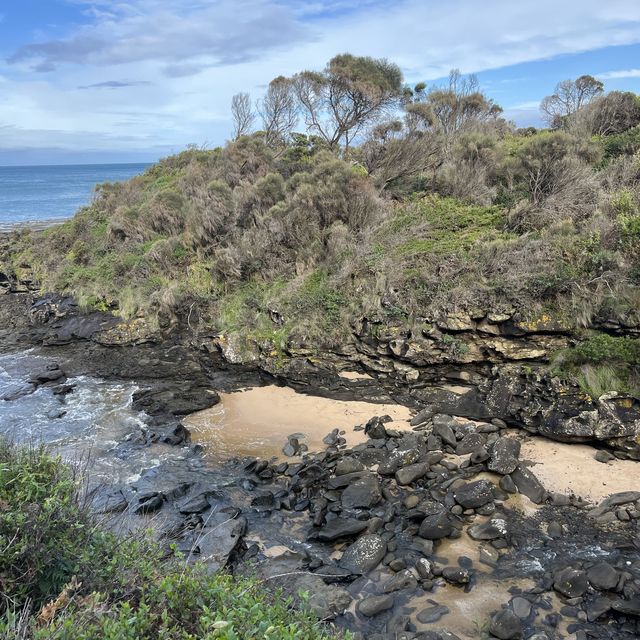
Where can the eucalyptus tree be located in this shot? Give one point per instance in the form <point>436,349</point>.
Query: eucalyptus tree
<point>350,94</point>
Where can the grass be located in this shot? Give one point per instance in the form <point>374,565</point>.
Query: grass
<point>603,363</point>
<point>62,577</point>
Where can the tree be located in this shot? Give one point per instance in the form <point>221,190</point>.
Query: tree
<point>242,113</point>
<point>278,111</point>
<point>568,98</point>
<point>454,108</point>
<point>610,114</point>
<point>349,94</point>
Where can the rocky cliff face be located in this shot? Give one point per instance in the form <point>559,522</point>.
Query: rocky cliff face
<point>482,365</point>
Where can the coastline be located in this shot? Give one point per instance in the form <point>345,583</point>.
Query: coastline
<point>32,225</point>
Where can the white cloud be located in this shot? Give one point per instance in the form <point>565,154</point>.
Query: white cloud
<point>621,73</point>
<point>186,58</point>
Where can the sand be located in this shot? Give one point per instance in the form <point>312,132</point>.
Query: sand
<point>256,422</point>
<point>571,468</point>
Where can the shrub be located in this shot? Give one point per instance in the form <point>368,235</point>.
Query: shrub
<point>99,587</point>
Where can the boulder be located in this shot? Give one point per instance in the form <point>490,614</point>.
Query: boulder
<point>571,583</point>
<point>603,576</point>
<point>474,494</point>
<point>529,485</point>
<point>504,455</point>
<point>340,528</point>
<point>373,605</point>
<point>219,539</point>
<point>490,530</point>
<point>411,473</point>
<point>363,492</point>
<point>436,526</point>
<point>506,625</point>
<point>325,601</point>
<point>364,554</point>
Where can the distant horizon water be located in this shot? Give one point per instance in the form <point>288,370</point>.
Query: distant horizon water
<point>39,193</point>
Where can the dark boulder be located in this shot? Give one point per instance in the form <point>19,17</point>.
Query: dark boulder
<point>506,625</point>
<point>373,605</point>
<point>571,583</point>
<point>504,455</point>
<point>603,576</point>
<point>411,473</point>
<point>364,554</point>
<point>436,526</point>
<point>474,494</point>
<point>363,492</point>
<point>529,485</point>
<point>340,528</point>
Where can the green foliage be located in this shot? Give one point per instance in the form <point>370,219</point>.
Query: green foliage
<point>603,363</point>
<point>41,529</point>
<point>625,143</point>
<point>102,588</point>
<point>603,348</point>
<point>443,225</point>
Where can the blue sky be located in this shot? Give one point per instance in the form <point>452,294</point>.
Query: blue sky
<point>133,80</point>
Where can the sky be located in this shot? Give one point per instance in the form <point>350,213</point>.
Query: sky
<point>85,81</point>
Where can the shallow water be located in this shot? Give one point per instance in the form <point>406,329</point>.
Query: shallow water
<point>87,426</point>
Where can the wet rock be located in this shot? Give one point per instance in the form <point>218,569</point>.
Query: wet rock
<point>51,374</point>
<point>108,500</point>
<point>292,448</point>
<point>411,473</point>
<point>375,429</point>
<point>614,500</point>
<point>18,392</point>
<point>598,607</point>
<point>628,607</point>
<point>424,569</point>
<point>571,583</point>
<point>529,485</point>
<point>341,528</point>
<point>504,455</point>
<point>603,576</point>
<point>325,601</point>
<point>364,554</point>
<point>363,492</point>
<point>456,576</point>
<point>489,556</point>
<point>436,526</point>
<point>521,607</point>
<point>216,542</point>
<point>506,625</point>
<point>508,485</point>
<point>470,443</point>
<point>490,530</point>
<point>195,504</point>
<point>432,614</point>
<point>445,432</point>
<point>348,465</point>
<point>373,605</point>
<point>148,504</point>
<point>474,494</point>
<point>402,580</point>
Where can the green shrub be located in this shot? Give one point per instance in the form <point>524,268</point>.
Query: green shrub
<point>74,581</point>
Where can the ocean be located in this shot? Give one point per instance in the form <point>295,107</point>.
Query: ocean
<point>47,193</point>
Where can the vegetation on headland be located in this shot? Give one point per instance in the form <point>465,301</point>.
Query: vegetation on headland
<point>63,577</point>
<point>395,202</point>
